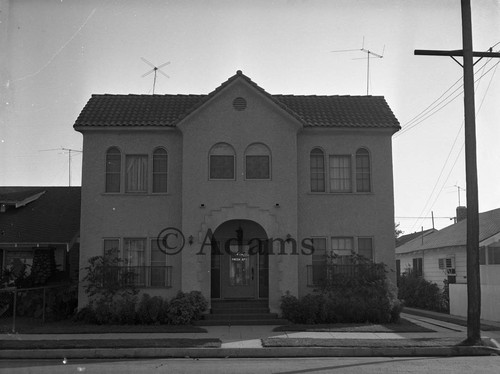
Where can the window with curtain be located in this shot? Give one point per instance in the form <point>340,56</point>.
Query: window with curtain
<point>257,162</point>
<point>317,164</point>
<point>160,163</point>
<point>340,173</point>
<point>134,259</point>
<point>342,248</point>
<point>133,252</point>
<point>113,170</point>
<point>363,174</point>
<point>136,178</point>
<point>222,161</point>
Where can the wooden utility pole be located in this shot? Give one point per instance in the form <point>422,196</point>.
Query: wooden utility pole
<point>473,280</point>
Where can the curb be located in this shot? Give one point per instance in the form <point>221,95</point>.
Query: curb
<point>123,353</point>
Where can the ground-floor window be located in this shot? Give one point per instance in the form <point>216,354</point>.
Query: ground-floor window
<point>417,267</point>
<point>339,258</point>
<point>140,261</point>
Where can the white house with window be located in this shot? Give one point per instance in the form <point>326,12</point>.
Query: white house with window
<point>441,255</point>
<point>259,190</point>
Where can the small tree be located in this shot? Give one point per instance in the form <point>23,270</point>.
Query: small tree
<point>107,278</point>
<point>111,290</point>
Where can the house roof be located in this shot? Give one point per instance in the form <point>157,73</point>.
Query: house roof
<point>455,235</point>
<point>408,237</point>
<point>52,217</point>
<point>108,110</point>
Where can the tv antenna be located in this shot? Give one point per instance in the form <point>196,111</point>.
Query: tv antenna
<point>368,53</point>
<point>154,70</point>
<point>459,189</point>
<point>65,150</point>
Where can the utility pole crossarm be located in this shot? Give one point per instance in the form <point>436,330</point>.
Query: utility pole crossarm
<point>454,53</point>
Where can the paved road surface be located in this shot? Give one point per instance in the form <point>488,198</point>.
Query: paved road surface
<point>441,365</point>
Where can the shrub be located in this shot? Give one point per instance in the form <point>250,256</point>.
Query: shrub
<point>366,297</point>
<point>420,293</point>
<point>200,304</point>
<point>184,308</point>
<point>150,310</point>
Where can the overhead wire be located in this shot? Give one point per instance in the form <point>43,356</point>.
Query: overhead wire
<point>495,66</point>
<point>439,104</point>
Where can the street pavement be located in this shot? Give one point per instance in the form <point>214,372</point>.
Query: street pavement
<point>246,341</point>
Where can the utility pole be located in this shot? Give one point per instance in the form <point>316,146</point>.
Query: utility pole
<point>473,280</point>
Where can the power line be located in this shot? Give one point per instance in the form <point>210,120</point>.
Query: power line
<point>439,104</point>
<point>461,149</point>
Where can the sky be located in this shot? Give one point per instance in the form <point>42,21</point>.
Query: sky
<point>57,53</point>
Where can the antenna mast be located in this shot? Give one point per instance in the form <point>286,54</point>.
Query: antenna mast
<point>154,70</point>
<point>459,188</point>
<point>69,150</point>
<point>368,53</point>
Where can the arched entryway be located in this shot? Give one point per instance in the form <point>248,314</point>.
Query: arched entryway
<point>239,264</point>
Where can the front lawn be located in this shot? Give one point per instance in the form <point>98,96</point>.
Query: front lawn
<point>402,325</point>
<point>26,325</point>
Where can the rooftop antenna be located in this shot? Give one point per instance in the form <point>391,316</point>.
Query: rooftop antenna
<point>459,188</point>
<point>154,70</point>
<point>368,53</point>
<point>68,150</point>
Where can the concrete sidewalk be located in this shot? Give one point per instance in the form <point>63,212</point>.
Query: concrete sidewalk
<point>246,341</point>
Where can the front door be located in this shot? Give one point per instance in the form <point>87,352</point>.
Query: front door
<point>239,273</point>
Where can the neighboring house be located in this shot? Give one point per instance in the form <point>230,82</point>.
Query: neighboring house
<point>442,256</point>
<point>410,263</point>
<point>233,171</point>
<point>40,219</point>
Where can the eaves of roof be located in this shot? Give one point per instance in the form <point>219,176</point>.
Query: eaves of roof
<point>108,111</point>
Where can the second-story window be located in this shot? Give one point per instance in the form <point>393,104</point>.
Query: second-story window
<point>136,176</point>
<point>160,163</point>
<point>363,174</point>
<point>340,173</point>
<point>113,170</point>
<point>222,162</point>
<point>257,162</point>
<point>317,159</point>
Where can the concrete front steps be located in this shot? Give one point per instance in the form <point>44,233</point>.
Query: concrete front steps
<point>240,312</point>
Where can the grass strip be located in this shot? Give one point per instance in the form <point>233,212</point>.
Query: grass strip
<point>35,326</point>
<point>373,343</point>
<point>402,326</point>
<point>110,343</point>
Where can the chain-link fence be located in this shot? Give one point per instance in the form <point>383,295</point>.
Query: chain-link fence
<point>53,302</point>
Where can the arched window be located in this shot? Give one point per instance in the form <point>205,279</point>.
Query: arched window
<point>363,173</point>
<point>160,164</point>
<point>317,170</point>
<point>222,162</point>
<point>257,162</point>
<point>113,169</point>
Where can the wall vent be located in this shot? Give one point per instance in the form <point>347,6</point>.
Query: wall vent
<point>239,104</point>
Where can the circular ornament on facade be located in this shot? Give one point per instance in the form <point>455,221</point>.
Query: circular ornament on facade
<point>239,104</point>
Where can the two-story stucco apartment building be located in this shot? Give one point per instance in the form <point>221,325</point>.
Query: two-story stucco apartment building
<point>224,174</point>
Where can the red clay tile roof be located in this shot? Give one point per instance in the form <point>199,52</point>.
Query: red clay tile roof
<point>167,110</point>
<point>52,218</point>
